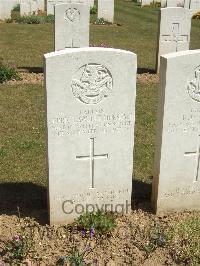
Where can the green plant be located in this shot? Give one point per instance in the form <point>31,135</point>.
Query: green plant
<point>96,223</point>
<point>93,9</point>
<point>102,21</point>
<point>7,72</point>
<point>35,19</point>
<point>32,19</point>
<point>76,258</point>
<point>16,8</point>
<point>19,247</point>
<point>156,238</point>
<point>155,4</point>
<point>49,19</point>
<point>197,15</point>
<point>183,241</point>
<point>149,238</point>
<point>9,20</point>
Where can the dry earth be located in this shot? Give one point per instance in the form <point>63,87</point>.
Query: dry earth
<point>35,78</point>
<point>124,246</point>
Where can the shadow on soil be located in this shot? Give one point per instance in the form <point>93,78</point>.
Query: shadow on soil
<point>141,196</point>
<point>38,70</point>
<point>35,70</point>
<point>141,70</point>
<point>30,198</point>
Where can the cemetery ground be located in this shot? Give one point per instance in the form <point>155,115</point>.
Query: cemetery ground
<point>139,238</point>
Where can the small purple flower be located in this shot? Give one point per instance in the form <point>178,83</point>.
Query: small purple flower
<point>83,232</point>
<point>95,261</point>
<point>87,248</point>
<point>92,232</point>
<point>16,238</point>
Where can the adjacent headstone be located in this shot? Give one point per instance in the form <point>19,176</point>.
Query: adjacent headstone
<point>106,10</point>
<point>146,2</point>
<point>52,3</point>
<point>176,183</point>
<point>175,3</point>
<point>71,26</point>
<point>174,31</point>
<point>41,5</point>
<point>28,7</point>
<point>5,9</point>
<point>90,120</point>
<point>89,2</point>
<point>163,3</point>
<point>195,6</point>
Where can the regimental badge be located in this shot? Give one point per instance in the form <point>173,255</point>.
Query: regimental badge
<point>72,14</point>
<point>194,85</point>
<point>92,84</point>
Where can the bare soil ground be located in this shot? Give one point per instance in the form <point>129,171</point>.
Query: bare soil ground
<point>126,245</point>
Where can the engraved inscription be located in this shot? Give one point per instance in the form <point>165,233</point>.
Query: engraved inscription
<point>194,85</point>
<point>93,195</point>
<point>92,121</point>
<point>196,154</point>
<point>186,123</point>
<point>181,191</point>
<point>91,157</point>
<point>175,36</point>
<point>92,83</point>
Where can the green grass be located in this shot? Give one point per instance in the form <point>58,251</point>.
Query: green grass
<point>184,241</point>
<point>146,107</point>
<point>26,44</point>
<point>22,145</point>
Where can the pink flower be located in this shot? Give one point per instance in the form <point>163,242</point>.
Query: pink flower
<point>16,238</point>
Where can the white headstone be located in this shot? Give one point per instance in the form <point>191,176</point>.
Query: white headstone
<point>88,2</point>
<point>52,3</point>
<point>175,3</point>
<point>163,3</point>
<point>71,26</point>
<point>90,120</point>
<point>28,7</point>
<point>41,5</point>
<point>195,6</point>
<point>146,2</point>
<point>174,31</point>
<point>176,184</point>
<point>106,10</point>
<point>5,9</point>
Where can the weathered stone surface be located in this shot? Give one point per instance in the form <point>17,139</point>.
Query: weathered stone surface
<point>176,183</point>
<point>90,120</point>
<point>71,26</point>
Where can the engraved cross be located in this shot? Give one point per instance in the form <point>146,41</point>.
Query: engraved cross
<point>175,36</point>
<point>91,157</point>
<point>197,155</point>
